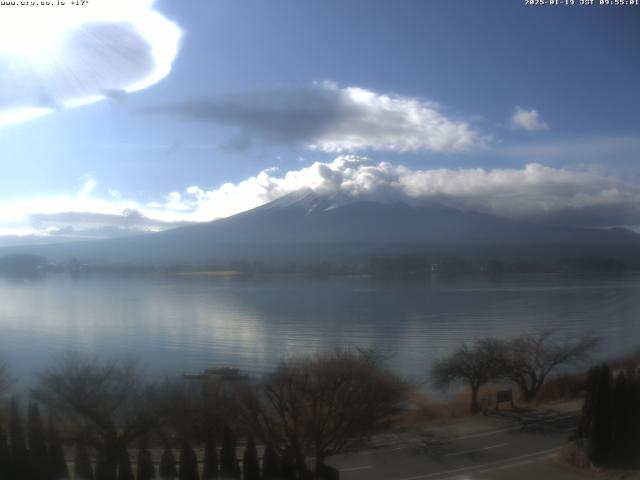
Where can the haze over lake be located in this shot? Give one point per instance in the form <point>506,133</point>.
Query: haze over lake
<point>172,325</point>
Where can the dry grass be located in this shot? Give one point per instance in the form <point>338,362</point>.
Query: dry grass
<point>628,475</point>
<point>425,409</point>
<point>574,456</point>
<point>558,389</point>
<point>562,388</point>
<point>626,362</point>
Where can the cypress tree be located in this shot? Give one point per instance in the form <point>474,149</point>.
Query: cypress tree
<point>125,471</point>
<point>250,463</point>
<point>634,423</point>
<point>587,406</point>
<point>210,468</point>
<point>270,463</point>
<point>287,465</point>
<point>103,467</point>
<point>37,444</point>
<point>82,464</point>
<point>622,435</point>
<point>229,466</point>
<point>20,462</point>
<point>167,468</point>
<point>57,462</point>
<point>146,468</point>
<point>188,463</point>
<point>599,447</point>
<point>5,457</point>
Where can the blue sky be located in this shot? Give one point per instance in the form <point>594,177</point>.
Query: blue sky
<point>444,100</point>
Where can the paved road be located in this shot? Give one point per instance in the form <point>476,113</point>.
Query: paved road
<point>494,447</point>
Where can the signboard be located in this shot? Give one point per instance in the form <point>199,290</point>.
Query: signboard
<point>504,396</point>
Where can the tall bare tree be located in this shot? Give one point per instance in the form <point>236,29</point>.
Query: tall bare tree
<point>533,356</point>
<point>5,379</point>
<point>322,405</point>
<point>106,402</point>
<point>195,408</point>
<point>474,365</point>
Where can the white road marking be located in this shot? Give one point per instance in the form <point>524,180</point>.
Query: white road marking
<point>466,437</point>
<point>507,467</point>
<point>471,468</point>
<point>491,447</point>
<point>510,429</point>
<point>355,469</point>
<point>486,434</point>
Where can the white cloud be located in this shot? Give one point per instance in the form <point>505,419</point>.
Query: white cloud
<point>530,192</point>
<point>393,123</point>
<point>16,214</point>
<point>534,189</point>
<point>59,57</point>
<point>85,215</point>
<point>89,184</point>
<point>331,119</point>
<point>570,196</point>
<point>619,149</point>
<point>527,120</point>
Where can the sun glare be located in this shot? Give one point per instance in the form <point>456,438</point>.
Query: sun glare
<point>38,42</point>
<point>22,115</point>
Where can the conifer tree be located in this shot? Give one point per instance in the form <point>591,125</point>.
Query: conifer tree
<point>167,468</point>
<point>125,471</point>
<point>587,406</point>
<point>20,462</point>
<point>287,465</point>
<point>250,463</point>
<point>5,456</point>
<point>622,414</point>
<point>57,462</point>
<point>146,470</point>
<point>83,469</point>
<point>599,447</point>
<point>39,455</point>
<point>229,466</point>
<point>104,469</point>
<point>270,463</point>
<point>210,468</point>
<point>188,463</point>
<point>634,423</point>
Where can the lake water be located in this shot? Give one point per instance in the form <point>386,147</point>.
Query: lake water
<point>187,324</point>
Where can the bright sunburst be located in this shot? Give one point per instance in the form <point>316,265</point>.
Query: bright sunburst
<point>64,56</point>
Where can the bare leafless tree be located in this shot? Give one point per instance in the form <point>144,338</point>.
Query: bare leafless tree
<point>5,379</point>
<point>107,403</point>
<point>196,407</point>
<point>474,365</point>
<point>321,405</point>
<point>533,356</point>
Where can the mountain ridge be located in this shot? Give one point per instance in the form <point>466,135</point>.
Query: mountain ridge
<point>306,227</point>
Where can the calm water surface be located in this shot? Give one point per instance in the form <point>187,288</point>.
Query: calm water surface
<point>174,325</point>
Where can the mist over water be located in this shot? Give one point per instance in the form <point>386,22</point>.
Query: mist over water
<point>173,325</point>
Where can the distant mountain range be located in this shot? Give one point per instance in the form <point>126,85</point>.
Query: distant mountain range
<point>308,227</point>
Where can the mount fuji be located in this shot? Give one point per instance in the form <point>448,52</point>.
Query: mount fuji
<point>306,226</point>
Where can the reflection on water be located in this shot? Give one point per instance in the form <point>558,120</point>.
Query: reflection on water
<point>173,325</point>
